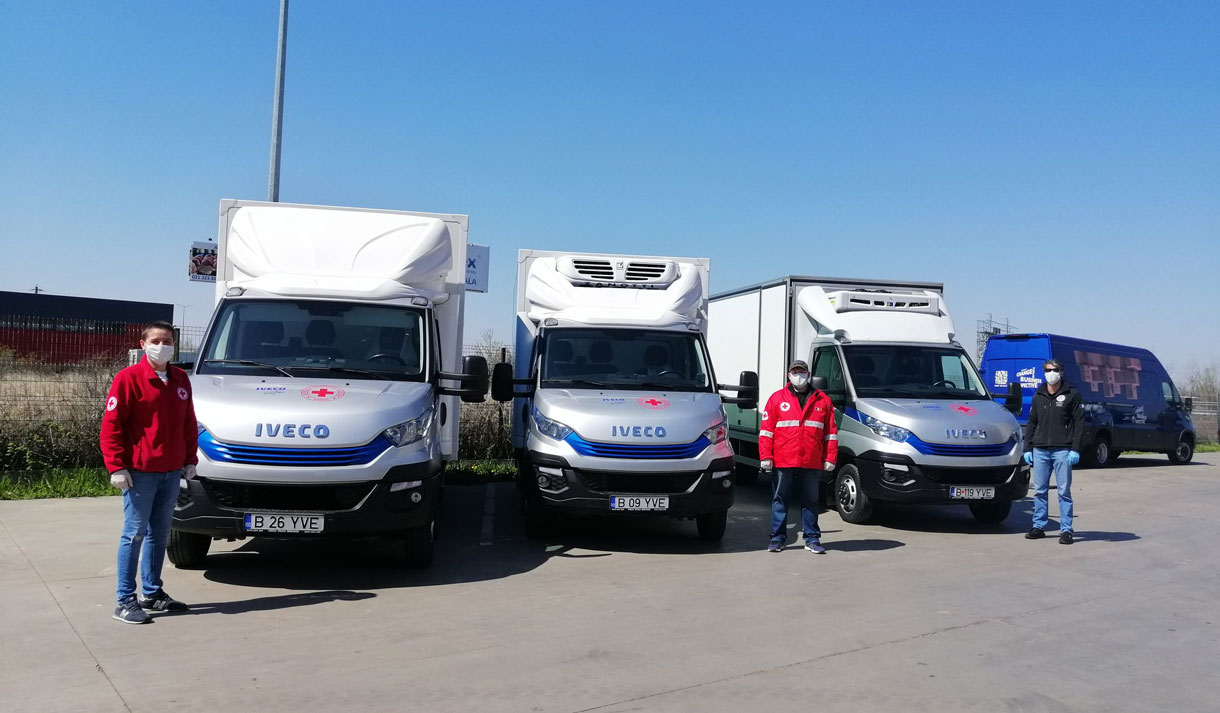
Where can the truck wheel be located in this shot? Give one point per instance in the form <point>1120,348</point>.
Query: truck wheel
<point>992,512</point>
<point>535,516</point>
<point>1098,454</point>
<point>746,475</point>
<point>187,549</point>
<point>853,504</point>
<point>711,526</point>
<point>417,546</point>
<point>1183,453</point>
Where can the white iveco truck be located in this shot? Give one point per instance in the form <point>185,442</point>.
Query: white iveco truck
<point>320,387</point>
<point>617,408</point>
<point>916,424</point>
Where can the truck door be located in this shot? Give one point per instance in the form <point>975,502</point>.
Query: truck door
<point>827,365</point>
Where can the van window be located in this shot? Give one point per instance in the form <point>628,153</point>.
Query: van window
<point>1170,393</point>
<point>826,365</point>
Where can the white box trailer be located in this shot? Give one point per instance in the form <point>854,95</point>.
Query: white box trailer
<point>319,387</point>
<point>916,424</point>
<point>620,410</point>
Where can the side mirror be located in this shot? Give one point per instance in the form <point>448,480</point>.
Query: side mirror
<point>474,378</point>
<point>818,382</point>
<point>747,391</point>
<point>1013,401</point>
<point>1189,404</point>
<point>502,382</point>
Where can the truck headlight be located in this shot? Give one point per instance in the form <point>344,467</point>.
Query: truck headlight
<point>717,434</point>
<point>410,431</point>
<point>549,428</point>
<point>885,430</point>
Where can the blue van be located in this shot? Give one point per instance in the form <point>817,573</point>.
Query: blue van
<point>1130,401</point>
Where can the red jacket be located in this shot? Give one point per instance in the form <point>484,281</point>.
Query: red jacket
<point>148,424</point>
<point>793,437</point>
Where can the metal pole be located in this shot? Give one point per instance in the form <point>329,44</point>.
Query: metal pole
<point>277,112</point>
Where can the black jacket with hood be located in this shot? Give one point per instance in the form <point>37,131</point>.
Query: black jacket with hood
<point>1055,420</point>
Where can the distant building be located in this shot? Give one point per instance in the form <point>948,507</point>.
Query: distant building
<point>62,330</point>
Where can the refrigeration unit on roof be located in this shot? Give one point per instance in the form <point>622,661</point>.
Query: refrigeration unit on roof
<point>594,271</point>
<point>913,315</point>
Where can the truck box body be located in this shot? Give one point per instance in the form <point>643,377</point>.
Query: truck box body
<point>1131,402</point>
<point>316,387</point>
<point>623,413</point>
<point>915,423</point>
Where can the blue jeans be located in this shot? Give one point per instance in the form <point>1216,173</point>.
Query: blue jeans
<point>148,512</point>
<point>1046,460</point>
<point>806,482</point>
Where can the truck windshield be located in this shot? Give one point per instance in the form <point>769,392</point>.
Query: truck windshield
<point>898,371</point>
<point>316,338</point>
<point>624,359</point>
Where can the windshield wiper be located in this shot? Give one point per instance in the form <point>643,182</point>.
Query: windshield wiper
<point>585,382</point>
<point>248,362</point>
<point>345,370</point>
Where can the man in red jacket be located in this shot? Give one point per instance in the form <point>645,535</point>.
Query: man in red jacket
<point>798,439</point>
<point>149,438</point>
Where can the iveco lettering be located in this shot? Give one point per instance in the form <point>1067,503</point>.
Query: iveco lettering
<point>617,409</point>
<point>327,387</point>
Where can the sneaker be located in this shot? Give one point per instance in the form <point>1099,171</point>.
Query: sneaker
<point>1065,538</point>
<point>162,602</point>
<point>815,547</point>
<point>1035,533</point>
<point>129,612</point>
<point>775,547</point>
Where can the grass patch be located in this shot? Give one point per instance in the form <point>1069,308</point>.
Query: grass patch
<point>1199,448</point>
<point>55,483</point>
<point>474,472</point>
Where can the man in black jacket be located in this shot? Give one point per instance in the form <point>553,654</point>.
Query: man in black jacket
<point>1052,442</point>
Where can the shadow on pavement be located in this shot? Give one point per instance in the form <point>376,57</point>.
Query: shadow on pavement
<point>283,601</point>
<point>870,545</point>
<point>1095,536</point>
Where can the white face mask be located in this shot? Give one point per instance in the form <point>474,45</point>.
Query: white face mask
<point>159,353</point>
<point>1053,377</point>
<point>798,380</point>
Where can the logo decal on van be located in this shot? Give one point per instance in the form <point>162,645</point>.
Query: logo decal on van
<point>322,393</point>
<point>965,433</point>
<point>638,431</point>
<point>653,402</point>
<point>1001,377</point>
<point>963,408</point>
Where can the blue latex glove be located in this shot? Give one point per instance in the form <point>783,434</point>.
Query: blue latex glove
<point>1029,458</point>
<point>1073,458</point>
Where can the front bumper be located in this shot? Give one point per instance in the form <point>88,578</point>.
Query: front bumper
<point>210,506</point>
<point>699,491</point>
<point>898,479</point>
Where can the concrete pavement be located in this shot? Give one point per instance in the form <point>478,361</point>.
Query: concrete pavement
<point>923,610</point>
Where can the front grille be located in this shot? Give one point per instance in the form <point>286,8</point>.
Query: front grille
<point>655,483</point>
<point>637,450</point>
<point>594,269</point>
<point>966,450</point>
<point>267,496</point>
<point>220,452</point>
<point>967,476</point>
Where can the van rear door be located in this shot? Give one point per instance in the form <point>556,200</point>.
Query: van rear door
<point>1015,358</point>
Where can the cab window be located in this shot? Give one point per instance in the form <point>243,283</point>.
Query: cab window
<point>826,365</point>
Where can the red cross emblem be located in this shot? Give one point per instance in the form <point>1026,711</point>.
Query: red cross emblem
<point>653,403</point>
<point>322,393</point>
<point>968,410</point>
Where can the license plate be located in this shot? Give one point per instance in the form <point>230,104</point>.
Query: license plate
<point>971,492</point>
<point>283,522</point>
<point>639,502</point>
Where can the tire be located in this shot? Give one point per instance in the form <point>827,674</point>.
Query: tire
<point>187,549</point>
<point>1183,453</point>
<point>712,526</point>
<point>1099,454</point>
<point>991,513</point>
<point>850,499</point>
<point>747,476</point>
<point>418,546</point>
<point>537,520</point>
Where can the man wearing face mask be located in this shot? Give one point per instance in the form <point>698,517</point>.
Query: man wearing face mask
<point>1052,443</point>
<point>798,439</point>
<point>148,440</point>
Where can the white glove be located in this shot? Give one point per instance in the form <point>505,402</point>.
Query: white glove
<point>766,465</point>
<point>188,471</point>
<point>828,466</point>
<point>121,479</point>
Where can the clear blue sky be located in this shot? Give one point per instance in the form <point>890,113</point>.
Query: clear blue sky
<point>1054,163</point>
